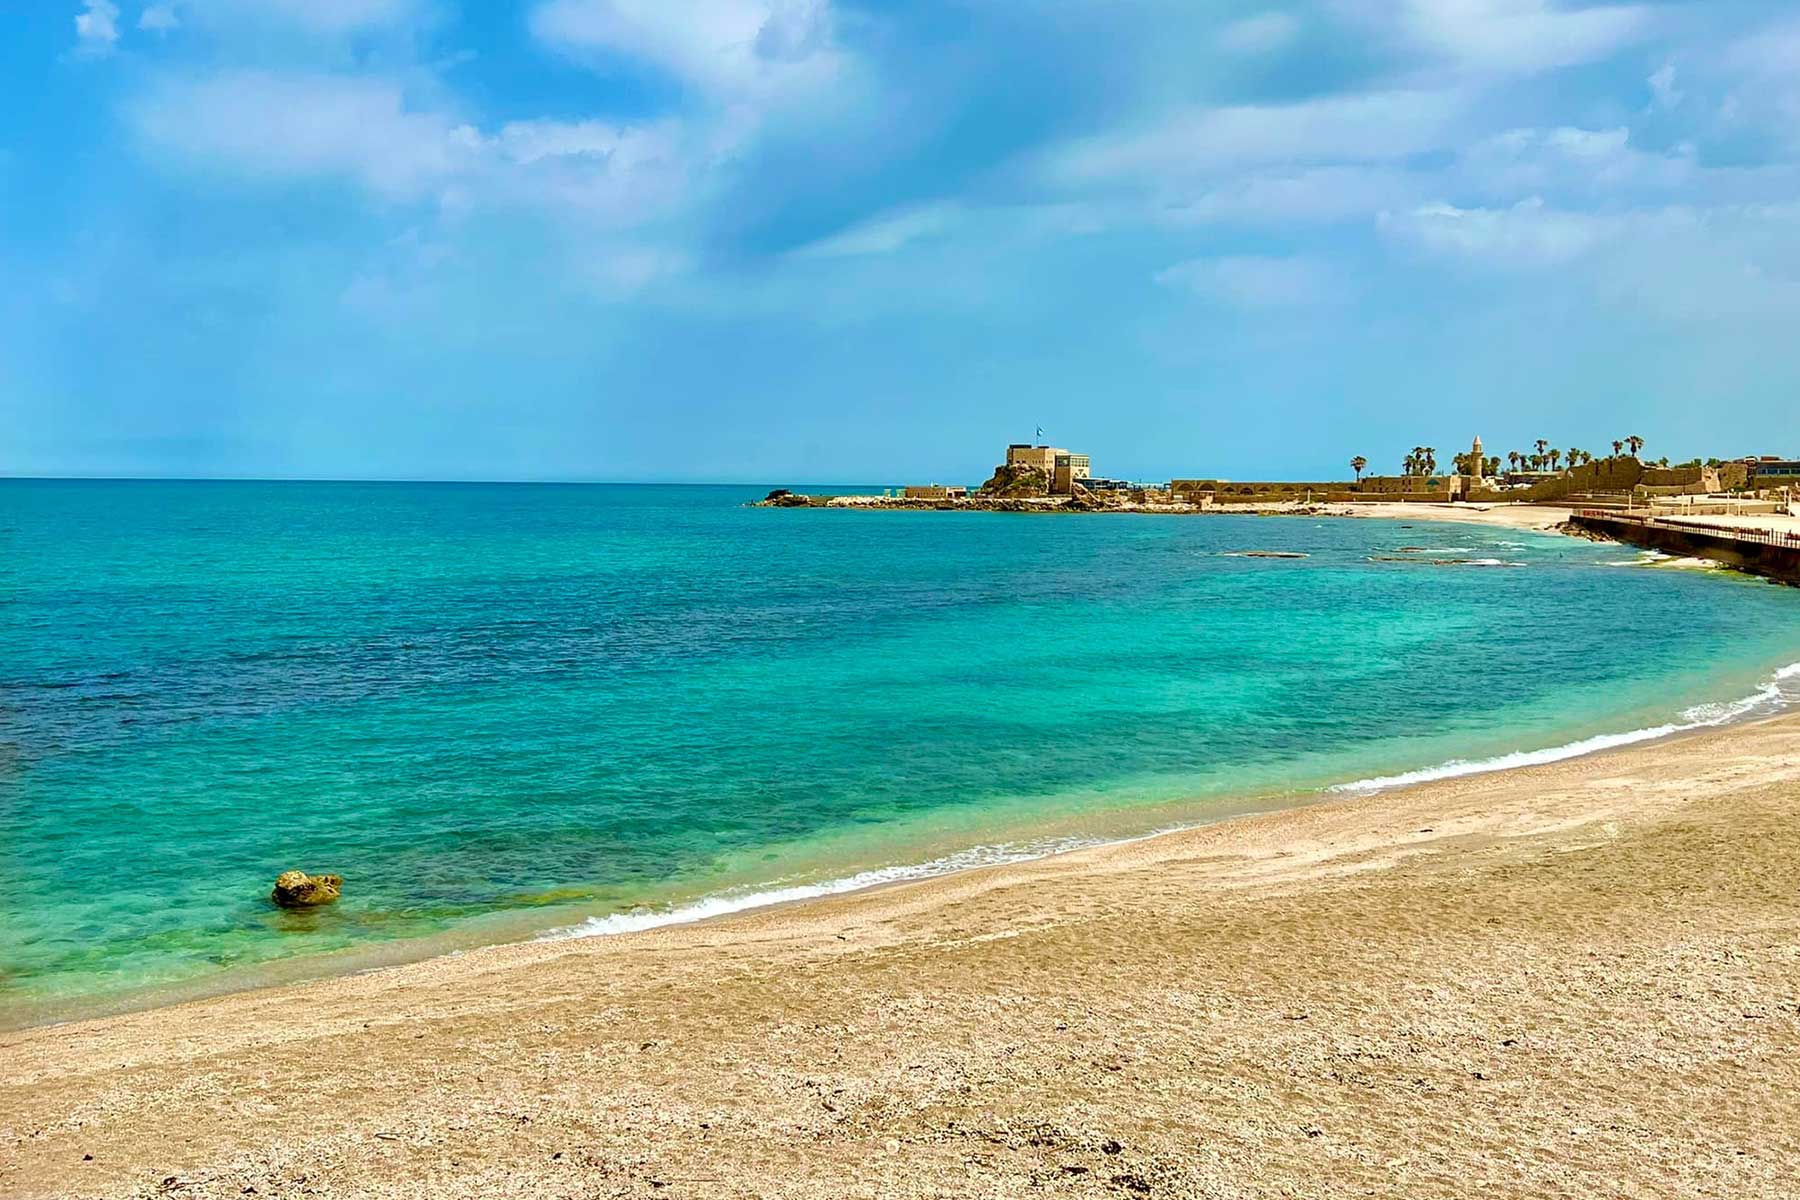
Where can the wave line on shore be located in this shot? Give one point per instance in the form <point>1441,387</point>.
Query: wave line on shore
<point>1767,700</point>
<point>724,903</point>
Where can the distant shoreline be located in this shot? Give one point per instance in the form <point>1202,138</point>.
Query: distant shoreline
<point>1541,517</point>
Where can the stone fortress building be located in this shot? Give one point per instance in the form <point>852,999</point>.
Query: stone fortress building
<point>1061,468</point>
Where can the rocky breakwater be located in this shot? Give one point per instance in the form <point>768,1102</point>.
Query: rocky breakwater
<point>783,498</point>
<point>1024,501</point>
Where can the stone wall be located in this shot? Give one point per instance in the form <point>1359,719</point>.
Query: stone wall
<point>1343,497</point>
<point>1779,562</point>
<point>1389,484</point>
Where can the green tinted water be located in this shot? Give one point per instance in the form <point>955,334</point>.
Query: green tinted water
<point>495,708</point>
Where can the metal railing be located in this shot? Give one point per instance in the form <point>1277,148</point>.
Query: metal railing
<point>1760,537</point>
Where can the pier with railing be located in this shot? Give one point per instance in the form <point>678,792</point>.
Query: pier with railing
<point>1768,551</point>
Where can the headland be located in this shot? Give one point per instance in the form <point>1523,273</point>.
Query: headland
<point>1743,513</point>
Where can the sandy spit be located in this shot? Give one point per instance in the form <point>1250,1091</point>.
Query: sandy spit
<point>1580,979</point>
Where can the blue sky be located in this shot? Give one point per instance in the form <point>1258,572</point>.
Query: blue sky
<point>824,240</point>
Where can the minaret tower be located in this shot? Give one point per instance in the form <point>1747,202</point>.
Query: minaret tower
<point>1477,463</point>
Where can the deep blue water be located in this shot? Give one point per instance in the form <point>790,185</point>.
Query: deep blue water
<point>482,701</point>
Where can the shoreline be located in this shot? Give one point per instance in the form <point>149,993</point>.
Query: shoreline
<point>339,1032</point>
<point>530,925</point>
<point>1028,844</point>
<point>1516,515</point>
<point>526,925</point>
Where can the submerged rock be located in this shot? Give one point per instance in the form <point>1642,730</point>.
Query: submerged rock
<point>297,889</point>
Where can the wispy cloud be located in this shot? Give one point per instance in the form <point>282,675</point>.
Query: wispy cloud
<point>1261,34</point>
<point>296,125</point>
<point>885,234</point>
<point>1361,128</point>
<point>735,50</point>
<point>1093,176</point>
<point>281,127</point>
<point>97,27</point>
<point>1256,282</point>
<point>1513,35</point>
<point>1527,235</point>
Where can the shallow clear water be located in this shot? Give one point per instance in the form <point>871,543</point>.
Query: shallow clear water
<point>475,701</point>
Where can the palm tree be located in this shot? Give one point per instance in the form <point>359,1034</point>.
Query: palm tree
<point>1542,447</point>
<point>1636,443</point>
<point>1357,464</point>
<point>1555,457</point>
<point>1515,458</point>
<point>1408,463</point>
<point>1618,448</point>
<point>1429,465</point>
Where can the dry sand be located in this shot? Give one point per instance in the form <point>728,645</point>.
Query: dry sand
<point>1509,516</point>
<point>1576,980</point>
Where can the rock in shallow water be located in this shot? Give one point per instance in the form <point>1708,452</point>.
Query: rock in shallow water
<point>297,889</point>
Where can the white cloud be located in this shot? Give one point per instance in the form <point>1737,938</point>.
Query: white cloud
<point>886,233</point>
<point>1308,195</point>
<point>1514,35</point>
<point>159,18</point>
<point>282,127</point>
<point>1527,235</point>
<point>626,145</point>
<point>275,125</point>
<point>1769,53</point>
<point>1682,265</point>
<point>733,49</point>
<point>601,173</point>
<point>1662,87</point>
<point>1569,160</point>
<point>621,271</point>
<point>1255,281</point>
<point>1262,34</point>
<point>97,26</point>
<point>1376,127</point>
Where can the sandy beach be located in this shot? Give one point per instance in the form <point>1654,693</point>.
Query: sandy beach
<point>1540,517</point>
<point>1577,979</point>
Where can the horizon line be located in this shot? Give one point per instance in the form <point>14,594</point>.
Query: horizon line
<point>545,482</point>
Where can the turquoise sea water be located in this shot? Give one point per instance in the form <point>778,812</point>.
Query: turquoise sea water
<point>497,709</point>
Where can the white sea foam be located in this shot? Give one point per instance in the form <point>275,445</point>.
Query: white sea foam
<point>1767,700</point>
<point>739,901</point>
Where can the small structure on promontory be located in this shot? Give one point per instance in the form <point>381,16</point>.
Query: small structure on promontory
<point>1037,471</point>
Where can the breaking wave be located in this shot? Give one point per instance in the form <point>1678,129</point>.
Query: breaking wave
<point>1781,691</point>
<point>1769,699</point>
<point>725,903</point>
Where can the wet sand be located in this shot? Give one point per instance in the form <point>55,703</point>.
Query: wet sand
<point>1579,979</point>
